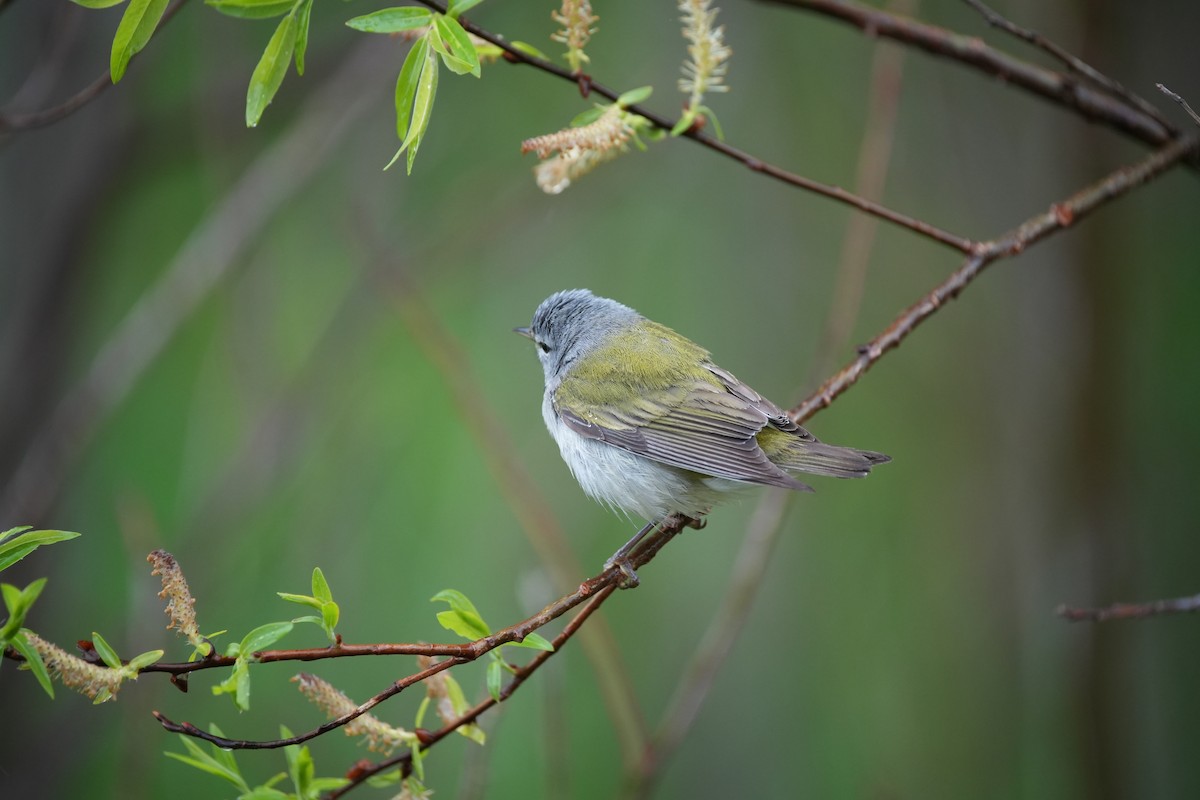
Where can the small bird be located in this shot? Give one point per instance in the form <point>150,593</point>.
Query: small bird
<point>650,425</point>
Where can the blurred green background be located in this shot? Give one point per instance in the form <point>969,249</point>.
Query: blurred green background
<point>312,408</point>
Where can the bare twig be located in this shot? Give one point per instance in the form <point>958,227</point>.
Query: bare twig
<point>1179,605</point>
<point>1060,216</point>
<point>12,121</point>
<point>1071,62</point>
<point>1054,86</point>
<point>1184,103</point>
<point>751,162</point>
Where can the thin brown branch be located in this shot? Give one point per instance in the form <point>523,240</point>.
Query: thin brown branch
<point>188,729</point>
<point>1071,62</point>
<point>751,162</point>
<point>1054,86</point>
<point>1179,605</point>
<point>12,121</point>
<point>594,590</point>
<point>405,760</point>
<point>1060,216</point>
<point>1184,103</point>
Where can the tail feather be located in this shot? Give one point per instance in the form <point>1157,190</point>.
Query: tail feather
<point>819,458</point>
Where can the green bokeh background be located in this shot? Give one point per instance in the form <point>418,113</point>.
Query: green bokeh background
<point>903,642</point>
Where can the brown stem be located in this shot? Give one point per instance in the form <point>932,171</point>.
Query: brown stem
<point>13,121</point>
<point>1060,216</point>
<point>751,162</point>
<point>1178,605</point>
<point>1054,86</point>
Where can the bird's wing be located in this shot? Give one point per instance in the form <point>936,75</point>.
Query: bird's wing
<point>678,417</point>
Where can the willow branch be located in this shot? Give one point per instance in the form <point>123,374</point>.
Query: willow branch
<point>11,122</point>
<point>589,86</point>
<point>1070,61</point>
<point>1183,103</point>
<point>597,589</point>
<point>1179,605</point>
<point>1061,89</point>
<point>1060,216</point>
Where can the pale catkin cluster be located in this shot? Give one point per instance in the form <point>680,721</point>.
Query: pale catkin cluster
<point>577,151</point>
<point>181,606</point>
<point>704,71</point>
<point>381,737</point>
<point>436,689</point>
<point>578,23</point>
<point>75,673</point>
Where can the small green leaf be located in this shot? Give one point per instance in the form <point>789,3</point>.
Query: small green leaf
<point>423,91</point>
<point>529,50</point>
<point>302,34</point>
<point>310,618</point>
<point>392,20</point>
<point>106,653</point>
<point>140,662</point>
<point>263,637</point>
<point>265,793</point>
<point>406,84</point>
<point>458,702</point>
<point>708,112</point>
<point>252,9</point>
<point>16,543</point>
<point>320,586</point>
<point>205,763</point>
<point>459,6</point>
<point>329,615</point>
<point>464,627</point>
<point>588,117</point>
<point>384,780</point>
<point>495,679</point>
<point>634,96</point>
<point>137,25</point>
<point>33,660</point>
<point>459,54</point>
<point>97,3</point>
<point>272,67</point>
<point>302,599</point>
<point>460,603</point>
<point>535,642</point>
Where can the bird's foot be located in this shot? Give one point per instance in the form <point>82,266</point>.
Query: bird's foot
<point>629,579</point>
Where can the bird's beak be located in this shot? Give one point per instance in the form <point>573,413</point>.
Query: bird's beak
<point>524,332</point>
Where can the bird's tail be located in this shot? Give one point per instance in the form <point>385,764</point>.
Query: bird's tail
<point>819,458</point>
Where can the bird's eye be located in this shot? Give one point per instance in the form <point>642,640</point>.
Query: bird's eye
<point>545,347</point>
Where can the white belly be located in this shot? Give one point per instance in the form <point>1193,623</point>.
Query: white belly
<point>632,483</point>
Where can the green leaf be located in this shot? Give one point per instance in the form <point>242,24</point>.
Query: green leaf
<point>392,20</point>
<point>33,660</point>
<point>459,6</point>
<point>97,3</point>
<point>140,662</point>
<point>300,766</point>
<point>320,586</point>
<point>237,684</point>
<point>421,709</point>
<point>137,25</point>
<point>588,117</point>
<point>535,642</point>
<point>708,112</point>
<point>252,9</point>
<point>329,616</point>
<point>310,618</point>
<point>18,602</point>
<point>464,608</point>
<point>265,793</point>
<point>423,89</point>
<point>106,653</point>
<point>459,702</point>
<point>495,679</point>
<point>458,54</point>
<point>16,543</point>
<point>263,637</point>
<point>302,34</point>
<point>634,96</point>
<point>384,780</point>
<point>464,627</point>
<point>529,50</point>
<point>302,599</point>
<point>205,763</point>
<point>273,65</point>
